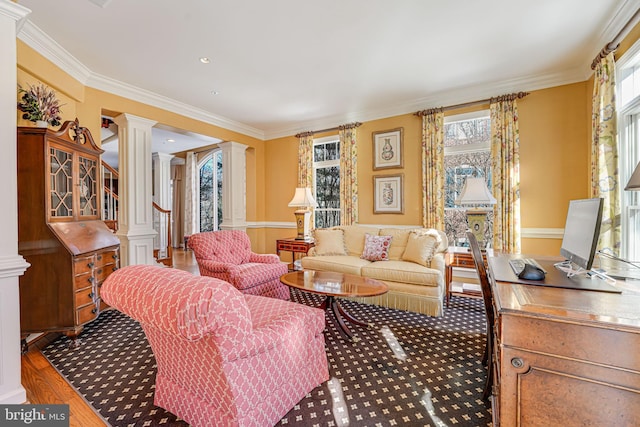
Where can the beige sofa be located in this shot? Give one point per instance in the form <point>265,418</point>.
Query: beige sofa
<point>414,270</point>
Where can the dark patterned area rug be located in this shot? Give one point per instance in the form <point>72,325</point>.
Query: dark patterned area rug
<point>410,370</point>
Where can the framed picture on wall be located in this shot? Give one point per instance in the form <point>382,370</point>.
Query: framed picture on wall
<point>387,149</point>
<point>388,197</point>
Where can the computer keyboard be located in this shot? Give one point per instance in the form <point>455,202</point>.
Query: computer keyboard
<point>517,264</point>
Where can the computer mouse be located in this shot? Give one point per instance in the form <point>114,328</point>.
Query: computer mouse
<point>531,272</point>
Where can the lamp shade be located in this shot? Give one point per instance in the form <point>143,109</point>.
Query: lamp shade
<point>302,198</point>
<point>634,182</point>
<point>475,192</point>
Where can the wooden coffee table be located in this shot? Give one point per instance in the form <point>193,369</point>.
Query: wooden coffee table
<point>334,285</point>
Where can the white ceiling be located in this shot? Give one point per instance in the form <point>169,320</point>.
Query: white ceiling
<point>163,140</point>
<point>285,66</point>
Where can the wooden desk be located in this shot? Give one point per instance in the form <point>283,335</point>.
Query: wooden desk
<point>564,356</point>
<point>294,246</point>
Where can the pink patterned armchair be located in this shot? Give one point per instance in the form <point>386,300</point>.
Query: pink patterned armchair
<point>227,255</point>
<point>224,358</point>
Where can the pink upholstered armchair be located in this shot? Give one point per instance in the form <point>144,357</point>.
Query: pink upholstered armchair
<point>227,255</point>
<point>224,358</point>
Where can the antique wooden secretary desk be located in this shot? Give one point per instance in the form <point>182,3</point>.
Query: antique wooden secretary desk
<point>71,251</point>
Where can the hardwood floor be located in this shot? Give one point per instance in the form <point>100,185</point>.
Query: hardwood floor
<point>45,385</point>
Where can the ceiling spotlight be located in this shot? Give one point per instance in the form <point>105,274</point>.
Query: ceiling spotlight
<point>205,60</point>
<point>171,140</point>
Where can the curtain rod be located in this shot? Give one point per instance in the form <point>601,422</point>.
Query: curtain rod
<point>511,96</point>
<point>341,127</point>
<point>613,45</point>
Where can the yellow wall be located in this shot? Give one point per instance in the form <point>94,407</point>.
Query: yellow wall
<point>88,104</point>
<point>554,152</point>
<point>554,163</point>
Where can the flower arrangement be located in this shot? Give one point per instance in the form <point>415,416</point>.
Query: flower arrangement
<point>39,103</point>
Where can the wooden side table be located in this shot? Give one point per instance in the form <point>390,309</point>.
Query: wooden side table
<point>294,246</point>
<point>460,257</point>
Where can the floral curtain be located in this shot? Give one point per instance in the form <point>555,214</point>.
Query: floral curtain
<point>348,175</point>
<point>505,172</point>
<point>433,199</point>
<point>305,161</point>
<point>191,198</point>
<point>604,154</point>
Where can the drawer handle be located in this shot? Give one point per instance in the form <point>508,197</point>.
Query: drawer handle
<point>115,256</point>
<point>114,268</point>
<point>91,295</point>
<point>91,279</point>
<point>517,362</point>
<point>94,311</point>
<point>99,257</point>
<point>90,265</point>
<point>99,271</point>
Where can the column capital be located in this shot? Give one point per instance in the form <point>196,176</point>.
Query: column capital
<point>126,119</point>
<point>162,156</point>
<point>232,145</point>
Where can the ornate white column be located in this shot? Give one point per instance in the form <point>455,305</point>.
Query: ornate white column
<point>162,194</point>
<point>135,210</point>
<point>12,265</point>
<point>234,186</point>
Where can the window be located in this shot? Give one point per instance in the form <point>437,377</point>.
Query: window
<point>210,184</point>
<point>467,152</point>
<point>326,176</point>
<point>628,95</point>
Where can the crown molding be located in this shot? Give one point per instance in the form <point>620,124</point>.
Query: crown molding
<point>135,93</point>
<point>50,49</point>
<point>443,98</point>
<point>617,22</point>
<point>13,10</point>
<point>39,41</point>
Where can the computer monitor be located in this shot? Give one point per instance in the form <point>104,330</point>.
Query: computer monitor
<point>581,231</point>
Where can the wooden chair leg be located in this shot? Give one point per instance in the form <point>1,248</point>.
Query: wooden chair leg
<point>488,384</point>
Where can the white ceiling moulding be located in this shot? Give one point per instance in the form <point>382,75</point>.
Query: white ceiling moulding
<point>621,17</point>
<point>50,49</point>
<point>442,99</point>
<point>39,41</point>
<point>128,91</point>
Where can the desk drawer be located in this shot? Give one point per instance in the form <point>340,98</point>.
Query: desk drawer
<point>83,281</point>
<point>87,313</point>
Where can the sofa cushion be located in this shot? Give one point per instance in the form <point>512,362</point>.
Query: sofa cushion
<point>337,263</point>
<point>354,238</point>
<point>421,246</point>
<point>376,248</point>
<point>399,241</point>
<point>403,272</point>
<point>329,242</point>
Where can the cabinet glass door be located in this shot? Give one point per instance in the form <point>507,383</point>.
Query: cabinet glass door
<point>61,183</point>
<point>88,176</point>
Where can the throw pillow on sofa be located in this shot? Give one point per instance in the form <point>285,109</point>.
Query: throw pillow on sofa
<point>376,248</point>
<point>421,247</point>
<point>329,242</point>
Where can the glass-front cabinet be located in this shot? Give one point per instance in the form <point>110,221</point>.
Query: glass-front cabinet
<point>60,233</point>
<point>73,189</point>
